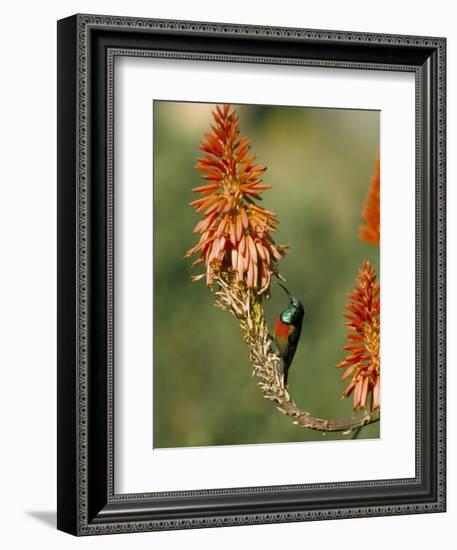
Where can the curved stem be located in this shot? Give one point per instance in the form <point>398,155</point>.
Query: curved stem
<point>247,306</point>
<point>346,425</point>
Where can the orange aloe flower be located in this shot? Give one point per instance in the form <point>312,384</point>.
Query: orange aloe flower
<point>362,361</point>
<point>235,232</point>
<point>371,210</point>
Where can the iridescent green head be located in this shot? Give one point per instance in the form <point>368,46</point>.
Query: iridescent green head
<point>293,314</point>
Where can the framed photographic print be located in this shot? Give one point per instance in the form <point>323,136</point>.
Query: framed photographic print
<point>294,179</point>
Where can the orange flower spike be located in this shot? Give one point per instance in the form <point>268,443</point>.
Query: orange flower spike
<point>234,232</point>
<point>371,210</point>
<point>362,364</point>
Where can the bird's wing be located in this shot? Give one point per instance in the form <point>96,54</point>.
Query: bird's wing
<point>294,336</point>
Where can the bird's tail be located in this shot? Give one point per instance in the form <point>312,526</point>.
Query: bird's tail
<point>285,373</point>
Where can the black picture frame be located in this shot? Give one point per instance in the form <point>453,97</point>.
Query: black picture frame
<point>87,45</point>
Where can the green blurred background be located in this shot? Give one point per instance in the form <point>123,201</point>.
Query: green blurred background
<point>320,163</point>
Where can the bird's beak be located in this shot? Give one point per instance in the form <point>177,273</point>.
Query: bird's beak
<point>286,291</point>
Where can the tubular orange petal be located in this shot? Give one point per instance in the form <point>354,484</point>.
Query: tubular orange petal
<point>234,258</point>
<point>244,218</point>
<point>239,228</point>
<point>252,249</point>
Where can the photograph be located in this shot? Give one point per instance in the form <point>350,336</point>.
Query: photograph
<point>266,274</point>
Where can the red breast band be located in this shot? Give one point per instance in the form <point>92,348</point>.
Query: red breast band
<point>282,330</point>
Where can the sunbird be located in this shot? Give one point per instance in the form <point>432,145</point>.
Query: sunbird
<point>287,331</point>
